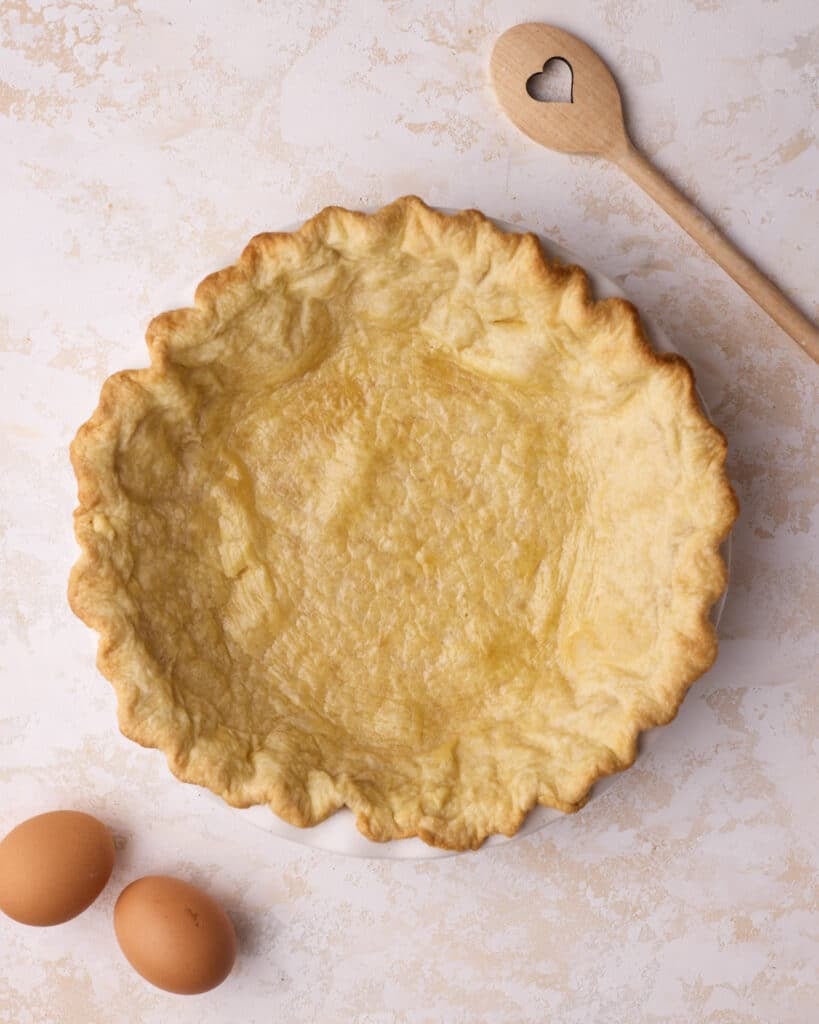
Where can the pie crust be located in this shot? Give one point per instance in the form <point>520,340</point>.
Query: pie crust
<point>400,519</point>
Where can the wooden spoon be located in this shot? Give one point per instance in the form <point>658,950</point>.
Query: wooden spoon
<point>592,122</point>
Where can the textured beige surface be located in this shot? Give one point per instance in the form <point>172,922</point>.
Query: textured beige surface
<point>399,520</point>
<point>129,134</point>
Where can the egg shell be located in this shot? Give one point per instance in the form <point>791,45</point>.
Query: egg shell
<point>53,866</point>
<point>175,935</point>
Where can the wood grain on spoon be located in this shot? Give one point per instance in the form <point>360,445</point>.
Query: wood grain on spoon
<point>592,123</point>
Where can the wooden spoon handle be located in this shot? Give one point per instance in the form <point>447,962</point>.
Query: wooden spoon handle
<point>741,269</point>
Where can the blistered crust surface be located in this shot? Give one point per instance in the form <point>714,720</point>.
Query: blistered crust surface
<point>399,519</point>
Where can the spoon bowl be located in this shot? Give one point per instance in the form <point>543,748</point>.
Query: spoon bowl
<point>591,122</point>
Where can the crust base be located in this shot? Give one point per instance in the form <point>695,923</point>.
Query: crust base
<point>398,518</point>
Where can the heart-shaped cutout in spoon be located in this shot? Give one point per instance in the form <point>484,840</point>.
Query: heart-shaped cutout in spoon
<point>593,123</point>
<point>553,84</point>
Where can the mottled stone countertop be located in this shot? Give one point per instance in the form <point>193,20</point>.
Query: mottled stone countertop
<point>141,144</point>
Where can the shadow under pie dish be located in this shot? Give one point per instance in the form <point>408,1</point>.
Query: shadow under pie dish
<point>398,518</point>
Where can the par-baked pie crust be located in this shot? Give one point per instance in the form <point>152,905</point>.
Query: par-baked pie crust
<point>398,518</point>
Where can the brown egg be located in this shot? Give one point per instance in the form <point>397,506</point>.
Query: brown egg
<point>53,866</point>
<point>174,935</point>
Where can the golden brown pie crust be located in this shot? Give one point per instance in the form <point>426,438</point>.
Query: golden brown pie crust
<point>400,519</point>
